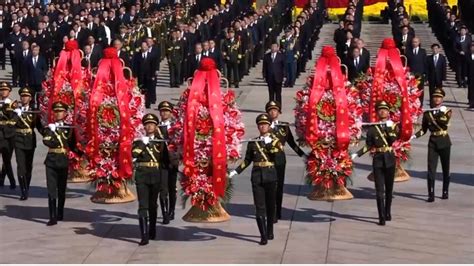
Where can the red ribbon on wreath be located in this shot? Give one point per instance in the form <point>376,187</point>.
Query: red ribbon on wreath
<point>328,73</point>
<point>206,76</point>
<point>111,69</point>
<point>390,56</point>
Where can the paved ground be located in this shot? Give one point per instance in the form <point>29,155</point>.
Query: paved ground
<point>310,232</point>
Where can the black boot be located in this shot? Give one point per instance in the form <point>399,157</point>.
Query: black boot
<point>152,228</point>
<point>262,229</point>
<point>143,221</point>
<point>22,182</point>
<point>270,235</point>
<point>164,210</point>
<point>446,187</point>
<point>431,195</point>
<point>388,208</point>
<point>172,206</point>
<point>61,202</point>
<point>381,210</point>
<point>52,212</point>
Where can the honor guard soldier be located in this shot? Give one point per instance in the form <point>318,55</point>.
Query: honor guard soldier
<point>232,56</point>
<point>151,158</point>
<point>7,134</point>
<point>283,132</point>
<point>168,202</point>
<point>175,55</point>
<point>261,151</point>
<point>26,121</point>
<point>59,138</point>
<point>437,121</point>
<point>379,142</point>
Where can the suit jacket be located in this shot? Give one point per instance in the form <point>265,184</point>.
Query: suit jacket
<point>22,63</point>
<point>155,56</point>
<point>470,72</point>
<point>36,74</point>
<point>464,46</point>
<point>407,44</point>
<point>96,55</point>
<point>217,56</point>
<point>365,55</point>
<point>354,70</point>
<point>193,64</point>
<point>436,74</point>
<point>417,63</point>
<point>143,69</point>
<point>125,58</point>
<point>274,71</point>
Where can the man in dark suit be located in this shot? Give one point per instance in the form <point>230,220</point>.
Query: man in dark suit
<point>363,52</point>
<point>470,77</point>
<point>436,69</point>
<point>194,59</point>
<point>417,63</point>
<point>14,46</point>
<point>96,52</point>
<point>37,69</point>
<point>215,54</point>
<point>462,45</point>
<point>22,58</point>
<point>273,72</point>
<point>355,64</point>
<point>144,72</point>
<point>122,52</point>
<point>404,39</point>
<point>3,41</point>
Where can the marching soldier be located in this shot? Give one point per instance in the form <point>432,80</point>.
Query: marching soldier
<point>151,158</point>
<point>439,145</point>
<point>231,53</point>
<point>264,176</point>
<point>168,202</point>
<point>25,140</point>
<point>175,55</point>
<point>379,142</point>
<point>7,134</point>
<point>283,132</point>
<point>59,138</point>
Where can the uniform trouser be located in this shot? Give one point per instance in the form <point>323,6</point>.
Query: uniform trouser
<point>7,153</point>
<point>290,70</point>
<point>444,156</point>
<point>24,163</point>
<point>280,169</point>
<point>172,179</point>
<point>175,73</point>
<point>264,198</point>
<point>56,181</point>
<point>233,72</point>
<point>147,199</point>
<point>384,178</point>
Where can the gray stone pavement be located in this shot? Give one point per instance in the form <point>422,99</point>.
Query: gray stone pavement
<point>310,232</point>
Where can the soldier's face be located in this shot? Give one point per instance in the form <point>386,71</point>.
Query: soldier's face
<point>165,115</point>
<point>383,113</point>
<point>59,115</point>
<point>273,113</point>
<point>437,100</point>
<point>5,93</point>
<point>25,100</point>
<point>263,128</point>
<point>150,128</point>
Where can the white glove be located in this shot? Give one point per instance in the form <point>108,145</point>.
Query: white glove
<point>52,127</point>
<point>353,156</point>
<point>145,140</point>
<point>267,140</point>
<point>18,111</point>
<point>443,109</point>
<point>7,101</point>
<point>413,137</point>
<point>389,123</point>
<point>232,174</point>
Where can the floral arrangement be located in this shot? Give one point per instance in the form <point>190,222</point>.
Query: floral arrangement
<point>198,185</point>
<point>392,96</point>
<point>327,166</point>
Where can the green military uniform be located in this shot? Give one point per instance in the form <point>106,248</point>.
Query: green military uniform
<point>59,138</point>
<point>168,200</point>
<point>264,178</point>
<point>150,159</point>
<point>231,50</point>
<point>283,132</point>
<point>25,142</point>
<point>439,145</point>
<point>159,32</point>
<point>7,134</point>
<point>379,141</point>
<point>175,55</point>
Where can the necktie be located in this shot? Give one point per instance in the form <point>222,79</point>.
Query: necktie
<point>415,51</point>
<point>435,59</point>
<point>462,38</point>
<point>25,53</point>
<point>356,62</point>
<point>273,57</point>
<point>404,38</point>
<point>34,61</point>
<point>144,55</point>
